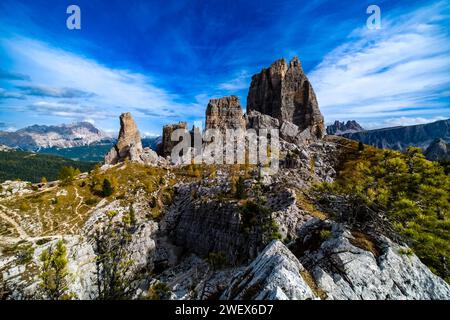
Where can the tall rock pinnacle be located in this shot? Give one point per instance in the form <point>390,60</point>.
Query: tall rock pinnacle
<point>225,113</point>
<point>128,144</point>
<point>284,92</point>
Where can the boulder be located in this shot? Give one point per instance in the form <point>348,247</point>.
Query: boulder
<point>257,120</point>
<point>274,275</point>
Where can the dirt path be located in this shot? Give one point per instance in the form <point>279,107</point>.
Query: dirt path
<point>11,240</point>
<point>20,231</point>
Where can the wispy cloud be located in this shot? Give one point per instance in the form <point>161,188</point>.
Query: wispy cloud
<point>238,82</point>
<point>5,75</point>
<point>401,70</point>
<point>84,86</point>
<point>45,91</point>
<point>401,121</point>
<point>6,94</point>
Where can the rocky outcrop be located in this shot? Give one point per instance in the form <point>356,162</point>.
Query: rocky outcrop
<point>225,113</point>
<point>349,264</point>
<point>206,225</point>
<point>284,92</point>
<point>129,145</point>
<point>339,128</point>
<point>165,147</point>
<point>438,150</point>
<point>399,138</point>
<point>256,120</point>
<point>274,275</point>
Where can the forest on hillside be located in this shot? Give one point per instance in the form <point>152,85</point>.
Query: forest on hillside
<point>32,167</point>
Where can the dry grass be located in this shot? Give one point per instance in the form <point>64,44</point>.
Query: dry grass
<point>305,204</point>
<point>311,282</point>
<point>365,242</point>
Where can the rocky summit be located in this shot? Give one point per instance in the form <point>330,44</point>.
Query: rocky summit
<point>283,91</point>
<point>340,128</point>
<point>225,113</point>
<point>142,227</point>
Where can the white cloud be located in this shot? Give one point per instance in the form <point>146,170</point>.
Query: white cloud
<point>405,121</point>
<point>109,91</point>
<point>402,69</point>
<point>239,82</point>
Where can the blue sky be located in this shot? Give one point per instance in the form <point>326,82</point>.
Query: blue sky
<point>163,60</point>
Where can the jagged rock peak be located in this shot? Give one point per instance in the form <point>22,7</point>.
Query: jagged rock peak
<point>284,92</point>
<point>128,144</point>
<point>339,128</point>
<point>225,113</point>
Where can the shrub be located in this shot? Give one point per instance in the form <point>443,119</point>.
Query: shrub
<point>409,190</point>
<point>325,234</point>
<point>159,291</point>
<point>54,272</point>
<point>216,260</point>
<point>240,188</point>
<point>107,188</point>
<point>68,174</point>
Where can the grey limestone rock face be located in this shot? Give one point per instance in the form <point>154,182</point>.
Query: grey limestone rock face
<point>225,113</point>
<point>284,92</point>
<point>257,120</point>
<point>352,265</point>
<point>438,150</point>
<point>274,275</point>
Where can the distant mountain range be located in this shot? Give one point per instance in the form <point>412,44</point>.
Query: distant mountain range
<point>78,141</point>
<point>94,152</point>
<point>399,138</point>
<point>36,137</point>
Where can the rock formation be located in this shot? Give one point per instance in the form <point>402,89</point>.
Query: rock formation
<point>284,92</point>
<point>348,264</point>
<point>256,120</point>
<point>166,145</point>
<point>340,128</point>
<point>225,113</point>
<point>129,144</point>
<point>274,275</point>
<point>438,150</point>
